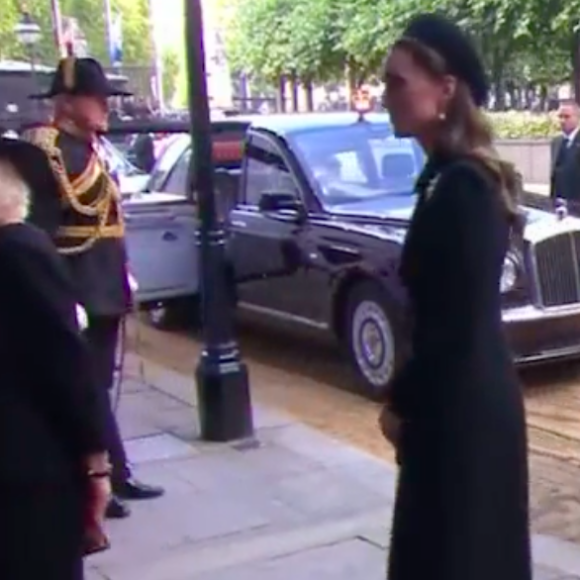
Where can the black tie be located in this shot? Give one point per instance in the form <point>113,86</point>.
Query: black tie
<point>563,152</point>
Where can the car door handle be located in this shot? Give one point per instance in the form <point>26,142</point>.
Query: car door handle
<point>148,220</point>
<point>169,237</point>
<point>239,224</point>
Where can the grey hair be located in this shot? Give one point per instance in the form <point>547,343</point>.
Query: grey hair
<point>14,195</point>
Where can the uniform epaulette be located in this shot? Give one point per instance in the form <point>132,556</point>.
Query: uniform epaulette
<point>43,137</point>
<point>97,209</point>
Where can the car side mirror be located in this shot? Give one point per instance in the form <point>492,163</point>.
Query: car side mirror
<point>278,200</point>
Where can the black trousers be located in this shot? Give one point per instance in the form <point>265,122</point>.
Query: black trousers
<point>102,335</point>
<point>41,532</point>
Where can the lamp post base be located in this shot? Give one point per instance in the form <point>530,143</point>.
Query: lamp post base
<point>224,402</point>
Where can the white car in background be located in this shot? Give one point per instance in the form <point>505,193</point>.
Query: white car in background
<point>131,179</point>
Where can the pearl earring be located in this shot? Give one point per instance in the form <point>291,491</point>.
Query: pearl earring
<point>442,116</point>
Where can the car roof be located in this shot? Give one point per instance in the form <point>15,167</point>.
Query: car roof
<point>291,123</point>
<point>286,124</point>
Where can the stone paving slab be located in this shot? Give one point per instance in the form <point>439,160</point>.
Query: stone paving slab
<point>297,505</point>
<point>346,560</point>
<point>545,573</point>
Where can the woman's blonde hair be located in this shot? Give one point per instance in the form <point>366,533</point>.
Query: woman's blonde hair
<point>14,195</point>
<point>465,131</point>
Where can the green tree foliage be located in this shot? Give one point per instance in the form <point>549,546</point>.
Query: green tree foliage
<point>259,39</point>
<point>90,14</point>
<point>171,73</point>
<point>8,18</point>
<point>521,40</point>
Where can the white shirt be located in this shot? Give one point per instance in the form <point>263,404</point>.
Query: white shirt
<point>569,138</point>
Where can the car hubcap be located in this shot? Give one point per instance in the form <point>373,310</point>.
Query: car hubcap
<point>157,315</point>
<point>374,343</point>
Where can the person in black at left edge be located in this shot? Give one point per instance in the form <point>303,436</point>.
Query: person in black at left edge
<point>86,224</point>
<point>54,467</point>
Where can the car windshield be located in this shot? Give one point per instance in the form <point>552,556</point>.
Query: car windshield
<point>359,161</point>
<point>116,160</point>
<point>171,150</point>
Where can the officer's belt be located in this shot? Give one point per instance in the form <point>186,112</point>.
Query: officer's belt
<point>83,232</point>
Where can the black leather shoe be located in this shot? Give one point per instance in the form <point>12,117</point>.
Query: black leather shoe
<point>133,489</point>
<point>117,509</point>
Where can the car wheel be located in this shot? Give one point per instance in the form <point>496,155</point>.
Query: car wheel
<point>172,314</point>
<point>372,338</point>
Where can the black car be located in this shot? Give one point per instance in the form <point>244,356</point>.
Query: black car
<point>317,207</point>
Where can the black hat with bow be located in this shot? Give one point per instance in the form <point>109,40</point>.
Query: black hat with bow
<point>453,45</point>
<point>81,77</point>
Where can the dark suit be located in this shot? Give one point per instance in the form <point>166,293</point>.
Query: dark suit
<point>461,510</point>
<point>565,168</point>
<point>91,242</point>
<point>144,151</point>
<point>50,412</point>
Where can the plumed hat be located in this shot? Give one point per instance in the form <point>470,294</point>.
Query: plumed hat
<point>80,76</point>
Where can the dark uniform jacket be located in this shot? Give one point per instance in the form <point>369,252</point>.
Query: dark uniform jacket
<point>86,222</point>
<point>565,168</point>
<point>50,408</point>
<point>461,510</point>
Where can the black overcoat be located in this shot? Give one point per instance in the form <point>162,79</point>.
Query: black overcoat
<point>461,511</point>
<point>50,412</point>
<point>565,168</point>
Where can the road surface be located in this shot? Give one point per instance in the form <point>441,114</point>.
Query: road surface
<point>310,383</point>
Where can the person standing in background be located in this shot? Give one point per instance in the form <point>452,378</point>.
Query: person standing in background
<point>565,154</point>
<point>86,223</point>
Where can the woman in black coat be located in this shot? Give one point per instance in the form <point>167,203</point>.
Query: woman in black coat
<point>456,408</point>
<point>54,472</point>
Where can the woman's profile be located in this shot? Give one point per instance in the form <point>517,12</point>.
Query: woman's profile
<point>456,410</point>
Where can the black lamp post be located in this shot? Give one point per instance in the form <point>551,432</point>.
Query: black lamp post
<point>28,33</point>
<point>224,403</point>
<point>576,61</point>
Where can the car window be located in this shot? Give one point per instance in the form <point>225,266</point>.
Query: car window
<point>350,167</point>
<point>116,161</point>
<point>176,183</point>
<point>166,162</point>
<point>266,170</point>
<point>345,163</point>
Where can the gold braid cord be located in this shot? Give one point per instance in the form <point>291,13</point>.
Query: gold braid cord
<point>107,199</point>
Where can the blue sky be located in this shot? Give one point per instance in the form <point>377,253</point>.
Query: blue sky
<point>168,19</point>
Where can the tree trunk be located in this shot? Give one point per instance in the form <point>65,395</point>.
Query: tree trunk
<point>352,80</point>
<point>294,92</point>
<point>281,96</point>
<point>576,64</point>
<point>498,84</point>
<point>544,98</point>
<point>309,95</point>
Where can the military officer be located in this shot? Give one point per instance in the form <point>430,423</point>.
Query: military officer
<point>87,226</point>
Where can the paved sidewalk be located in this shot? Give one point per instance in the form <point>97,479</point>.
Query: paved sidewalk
<point>295,506</point>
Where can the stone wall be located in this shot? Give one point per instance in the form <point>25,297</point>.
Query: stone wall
<point>531,157</point>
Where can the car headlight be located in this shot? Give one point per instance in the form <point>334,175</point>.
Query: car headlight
<point>509,275</point>
<point>82,317</point>
<point>132,281</point>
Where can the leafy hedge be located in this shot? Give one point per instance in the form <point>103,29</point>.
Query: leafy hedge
<point>524,125</point>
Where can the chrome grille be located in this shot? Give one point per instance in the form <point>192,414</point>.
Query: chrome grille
<point>558,269</point>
